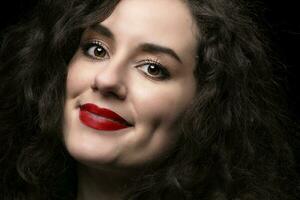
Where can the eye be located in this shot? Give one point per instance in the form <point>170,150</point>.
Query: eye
<point>95,50</point>
<point>155,70</point>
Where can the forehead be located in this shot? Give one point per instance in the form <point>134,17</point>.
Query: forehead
<point>166,22</point>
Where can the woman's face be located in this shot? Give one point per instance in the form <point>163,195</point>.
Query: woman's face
<point>138,64</point>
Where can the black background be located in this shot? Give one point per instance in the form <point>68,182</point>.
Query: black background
<point>280,18</point>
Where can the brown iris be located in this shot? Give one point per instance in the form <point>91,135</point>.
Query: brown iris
<point>99,52</point>
<point>154,70</point>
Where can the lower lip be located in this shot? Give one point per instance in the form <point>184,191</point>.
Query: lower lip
<point>99,123</point>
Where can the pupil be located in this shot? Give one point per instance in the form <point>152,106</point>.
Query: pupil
<point>153,70</point>
<point>99,51</point>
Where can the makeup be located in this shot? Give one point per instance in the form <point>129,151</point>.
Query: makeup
<point>101,118</point>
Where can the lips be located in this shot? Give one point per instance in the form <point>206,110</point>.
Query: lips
<point>101,118</point>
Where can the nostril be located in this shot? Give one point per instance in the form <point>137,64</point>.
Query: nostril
<point>112,94</point>
<point>94,87</point>
<point>109,87</point>
<point>118,93</point>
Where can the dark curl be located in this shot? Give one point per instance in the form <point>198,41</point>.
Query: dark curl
<point>234,141</point>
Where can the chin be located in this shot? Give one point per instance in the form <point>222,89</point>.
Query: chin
<point>92,157</point>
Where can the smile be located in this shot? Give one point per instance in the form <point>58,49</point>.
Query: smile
<point>101,118</point>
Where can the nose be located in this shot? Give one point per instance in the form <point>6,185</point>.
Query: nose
<point>110,82</point>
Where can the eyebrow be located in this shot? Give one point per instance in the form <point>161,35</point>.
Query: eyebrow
<point>146,47</point>
<point>102,30</point>
<point>154,48</point>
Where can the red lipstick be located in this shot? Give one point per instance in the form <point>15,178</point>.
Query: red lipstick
<point>101,118</point>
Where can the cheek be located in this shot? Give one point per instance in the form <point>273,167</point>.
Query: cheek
<point>78,79</point>
<point>157,111</point>
<point>165,103</point>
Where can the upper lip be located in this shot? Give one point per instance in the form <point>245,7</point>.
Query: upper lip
<point>104,112</point>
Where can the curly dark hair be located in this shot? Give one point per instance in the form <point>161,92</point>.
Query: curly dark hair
<point>234,141</point>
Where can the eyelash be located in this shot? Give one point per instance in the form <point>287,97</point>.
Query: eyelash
<point>88,45</point>
<point>163,72</point>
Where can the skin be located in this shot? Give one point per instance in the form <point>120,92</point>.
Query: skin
<point>119,79</point>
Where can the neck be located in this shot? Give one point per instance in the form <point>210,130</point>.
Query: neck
<point>100,184</point>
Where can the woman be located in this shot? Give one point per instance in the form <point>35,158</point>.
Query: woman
<point>136,99</point>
